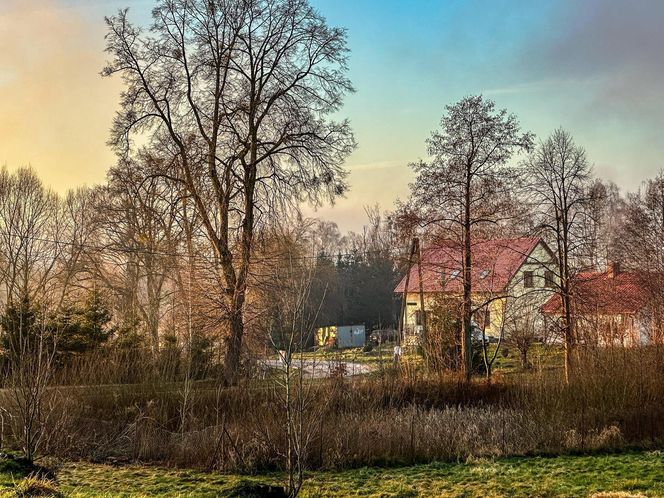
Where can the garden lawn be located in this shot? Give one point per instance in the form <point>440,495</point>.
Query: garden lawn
<point>621,475</point>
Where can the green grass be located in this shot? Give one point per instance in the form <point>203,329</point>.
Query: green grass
<point>10,470</point>
<point>542,358</point>
<point>633,474</point>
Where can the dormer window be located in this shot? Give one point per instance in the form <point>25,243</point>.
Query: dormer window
<point>454,274</point>
<point>484,274</point>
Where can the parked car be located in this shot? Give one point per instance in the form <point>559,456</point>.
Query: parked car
<point>380,336</point>
<point>477,335</point>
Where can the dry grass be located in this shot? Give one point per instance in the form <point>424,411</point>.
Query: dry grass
<point>30,486</point>
<point>616,401</point>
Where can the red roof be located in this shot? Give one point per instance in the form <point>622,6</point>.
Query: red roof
<point>494,263</point>
<point>604,293</point>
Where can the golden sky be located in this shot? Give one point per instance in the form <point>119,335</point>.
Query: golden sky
<point>55,109</point>
<point>594,68</point>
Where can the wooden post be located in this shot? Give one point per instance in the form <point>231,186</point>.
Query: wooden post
<point>403,317</point>
<point>416,243</point>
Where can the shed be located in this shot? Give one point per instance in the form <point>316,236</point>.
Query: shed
<point>350,336</point>
<point>342,336</point>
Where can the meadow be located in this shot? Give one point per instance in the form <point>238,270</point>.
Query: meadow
<point>398,431</point>
<point>631,474</point>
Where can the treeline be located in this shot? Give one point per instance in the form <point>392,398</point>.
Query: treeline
<point>128,265</point>
<point>484,177</point>
<point>125,267</point>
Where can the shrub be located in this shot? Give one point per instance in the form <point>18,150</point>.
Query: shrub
<point>246,489</point>
<point>32,485</point>
<point>397,415</point>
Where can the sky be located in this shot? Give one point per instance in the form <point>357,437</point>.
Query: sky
<point>595,68</point>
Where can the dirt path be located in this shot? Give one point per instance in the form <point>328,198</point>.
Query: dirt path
<point>317,369</point>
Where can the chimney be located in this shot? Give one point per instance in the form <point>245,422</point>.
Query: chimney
<point>614,269</point>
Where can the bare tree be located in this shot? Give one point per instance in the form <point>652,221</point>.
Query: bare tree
<point>466,184</point>
<point>238,96</point>
<point>137,222</point>
<point>29,228</point>
<point>521,322</point>
<point>291,329</point>
<point>639,237</point>
<point>76,237</point>
<point>559,175</point>
<point>603,213</point>
<point>31,349</point>
<point>638,243</point>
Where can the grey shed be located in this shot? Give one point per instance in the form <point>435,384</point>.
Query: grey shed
<point>350,336</point>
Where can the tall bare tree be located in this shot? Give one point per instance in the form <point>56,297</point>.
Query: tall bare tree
<point>238,95</point>
<point>640,235</point>
<point>559,175</point>
<point>29,215</point>
<point>30,262</point>
<point>603,213</point>
<point>137,219</point>
<point>466,184</point>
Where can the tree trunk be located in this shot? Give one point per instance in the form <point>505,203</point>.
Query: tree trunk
<point>234,347</point>
<point>236,319</point>
<point>523,355</point>
<point>569,341</point>
<point>467,306</point>
<point>568,326</point>
<point>423,339</point>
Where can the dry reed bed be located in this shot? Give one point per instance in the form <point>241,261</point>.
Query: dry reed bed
<point>616,400</point>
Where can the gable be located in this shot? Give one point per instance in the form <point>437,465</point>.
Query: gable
<point>539,259</point>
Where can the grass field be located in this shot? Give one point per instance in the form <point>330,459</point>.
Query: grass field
<point>507,362</point>
<point>613,475</point>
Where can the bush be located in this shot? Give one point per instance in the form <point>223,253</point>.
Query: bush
<point>615,400</point>
<point>247,489</point>
<point>32,486</point>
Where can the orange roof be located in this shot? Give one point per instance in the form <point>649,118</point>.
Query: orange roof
<point>494,263</point>
<point>604,293</point>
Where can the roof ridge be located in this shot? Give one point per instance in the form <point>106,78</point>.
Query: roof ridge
<point>504,257</point>
<point>451,242</point>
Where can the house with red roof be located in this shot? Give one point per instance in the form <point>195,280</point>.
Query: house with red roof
<point>613,307</point>
<point>501,269</point>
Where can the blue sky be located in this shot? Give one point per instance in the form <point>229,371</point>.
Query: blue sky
<point>593,67</point>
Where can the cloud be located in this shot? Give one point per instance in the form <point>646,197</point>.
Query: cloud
<point>55,110</point>
<point>617,45</point>
<point>596,68</point>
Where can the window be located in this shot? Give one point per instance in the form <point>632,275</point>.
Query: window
<point>549,280</point>
<point>454,274</point>
<point>484,274</point>
<point>419,317</point>
<point>528,279</point>
<point>487,318</point>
